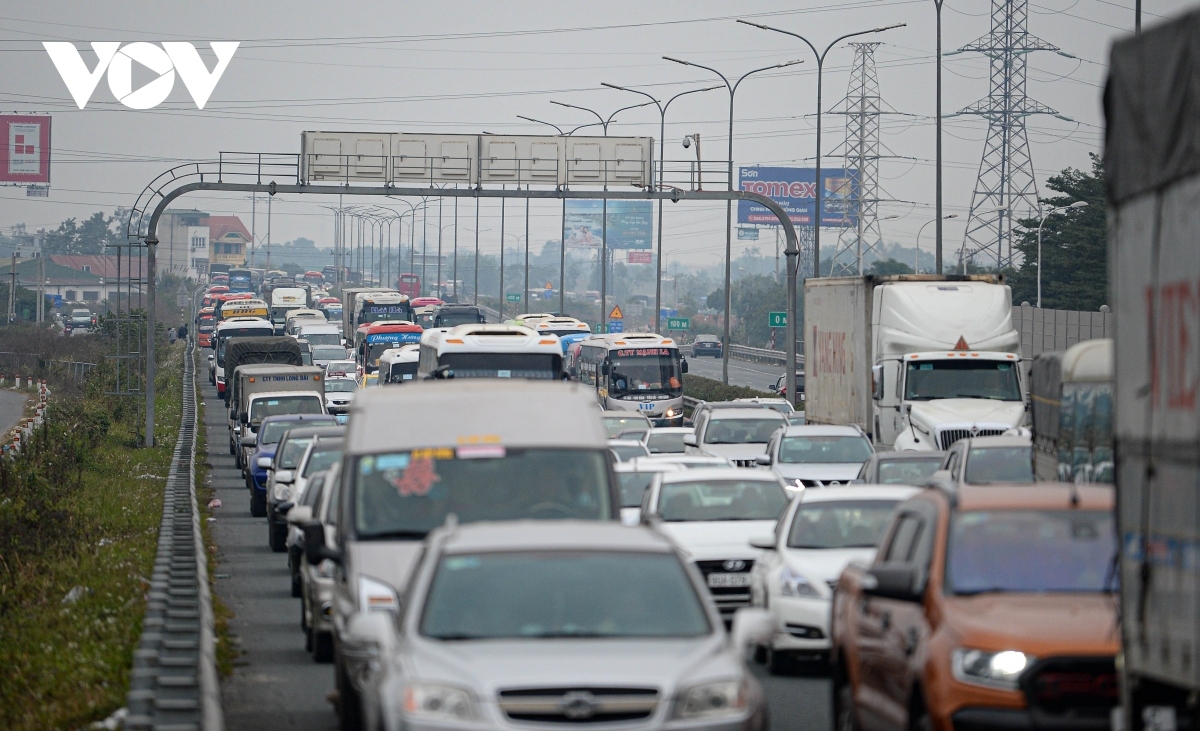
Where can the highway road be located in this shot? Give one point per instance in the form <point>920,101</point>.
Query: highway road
<point>741,372</point>
<point>12,408</point>
<point>275,685</point>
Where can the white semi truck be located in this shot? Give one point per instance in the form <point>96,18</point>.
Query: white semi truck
<point>917,361</point>
<point>1152,172</point>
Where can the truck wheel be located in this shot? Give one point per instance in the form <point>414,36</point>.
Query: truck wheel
<point>349,706</point>
<point>778,662</point>
<point>258,505</point>
<point>845,717</point>
<point>233,448</point>
<point>297,587</point>
<point>322,643</point>
<point>277,536</point>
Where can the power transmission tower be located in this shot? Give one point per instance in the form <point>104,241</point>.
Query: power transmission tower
<point>862,107</point>
<point>1006,184</point>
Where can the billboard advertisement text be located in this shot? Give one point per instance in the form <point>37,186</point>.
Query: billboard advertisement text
<point>630,224</point>
<point>795,189</point>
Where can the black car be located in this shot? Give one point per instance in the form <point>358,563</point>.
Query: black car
<point>706,345</point>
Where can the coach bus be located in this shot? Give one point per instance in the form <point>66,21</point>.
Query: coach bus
<point>640,372</point>
<point>380,337</point>
<point>240,280</point>
<point>489,351</point>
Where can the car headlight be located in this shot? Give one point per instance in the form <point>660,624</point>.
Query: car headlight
<point>797,585</point>
<point>993,669</point>
<point>711,699</point>
<point>442,702</point>
<point>374,596</point>
<point>326,568</point>
<point>281,492</point>
<point>672,413</point>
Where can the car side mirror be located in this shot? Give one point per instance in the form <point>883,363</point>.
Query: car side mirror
<point>284,477</point>
<point>763,460</point>
<point>689,440</point>
<point>766,543</point>
<point>265,463</point>
<point>940,476</point>
<point>315,549</point>
<point>249,440</point>
<point>877,382</point>
<point>211,356</point>
<point>284,508</point>
<point>892,582</point>
<point>683,366</point>
<point>244,417</point>
<point>751,626</point>
<point>299,515</point>
<point>772,388</point>
<point>370,633</point>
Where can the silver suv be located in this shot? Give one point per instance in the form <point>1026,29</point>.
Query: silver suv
<point>510,625</point>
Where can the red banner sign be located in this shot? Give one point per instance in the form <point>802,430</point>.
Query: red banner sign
<point>25,157</point>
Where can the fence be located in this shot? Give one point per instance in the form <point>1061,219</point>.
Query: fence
<point>1043,330</point>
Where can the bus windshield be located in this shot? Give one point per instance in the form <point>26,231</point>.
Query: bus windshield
<point>373,312</point>
<point>541,366</point>
<point>645,370</point>
<point>454,318</point>
<point>402,372</point>
<point>941,379</point>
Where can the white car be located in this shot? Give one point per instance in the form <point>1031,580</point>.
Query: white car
<point>667,439</point>
<point>626,449</point>
<point>738,434</point>
<point>634,478</point>
<point>339,394</point>
<point>687,461</point>
<point>712,515</point>
<point>817,456</point>
<point>341,369</point>
<point>821,532</point>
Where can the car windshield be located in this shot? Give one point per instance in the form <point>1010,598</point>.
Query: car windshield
<point>329,352</point>
<point>325,342</point>
<point>633,487</point>
<point>278,405</point>
<point>645,370</point>
<point>556,595</point>
<point>543,366</point>
<point>827,449</point>
<point>626,452</point>
<point>312,492</point>
<point>741,431</point>
<point>293,450</point>
<point>617,424</point>
<point>408,494</point>
<point>339,366</point>
<point>907,471</point>
<point>840,523</point>
<point>454,318</point>
<point>721,500</point>
<point>274,430</point>
<point>999,464</point>
<point>939,379</point>
<point>322,459</point>
<point>401,372</point>
<point>340,385</point>
<point>669,443</point>
<point>1031,551</point>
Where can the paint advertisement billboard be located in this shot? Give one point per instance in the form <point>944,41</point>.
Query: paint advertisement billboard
<point>795,189</point>
<point>630,224</point>
<point>25,157</point>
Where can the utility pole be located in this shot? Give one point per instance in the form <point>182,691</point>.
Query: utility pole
<point>269,232</point>
<point>41,289</point>
<point>12,290</point>
<point>254,226</point>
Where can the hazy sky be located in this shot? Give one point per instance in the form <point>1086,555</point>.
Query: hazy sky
<point>471,66</point>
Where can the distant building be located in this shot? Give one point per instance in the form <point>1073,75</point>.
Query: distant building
<point>190,241</point>
<point>24,245</point>
<point>228,239</point>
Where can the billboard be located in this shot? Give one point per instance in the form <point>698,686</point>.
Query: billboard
<point>630,224</point>
<point>795,189</point>
<point>25,157</point>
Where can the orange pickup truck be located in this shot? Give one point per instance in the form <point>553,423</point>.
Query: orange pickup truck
<point>986,607</point>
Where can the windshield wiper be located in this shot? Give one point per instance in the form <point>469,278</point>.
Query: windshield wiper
<point>985,590</point>
<point>399,535</point>
<point>458,636</point>
<point>566,634</point>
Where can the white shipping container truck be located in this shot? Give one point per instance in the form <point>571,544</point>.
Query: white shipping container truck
<point>1152,170</point>
<point>917,361</point>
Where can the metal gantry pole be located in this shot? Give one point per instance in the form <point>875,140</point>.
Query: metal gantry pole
<point>525,295</point>
<point>937,257</point>
<point>476,289</point>
<point>454,276</point>
<point>503,298</point>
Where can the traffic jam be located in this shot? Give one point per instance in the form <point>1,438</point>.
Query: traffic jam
<point>524,524</point>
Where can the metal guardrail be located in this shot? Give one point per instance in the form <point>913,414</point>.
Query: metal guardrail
<point>174,679</point>
<point>761,355</point>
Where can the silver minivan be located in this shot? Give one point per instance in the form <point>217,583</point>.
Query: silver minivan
<point>474,449</point>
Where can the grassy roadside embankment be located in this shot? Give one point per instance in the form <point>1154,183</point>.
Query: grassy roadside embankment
<point>79,515</point>
<point>708,389</point>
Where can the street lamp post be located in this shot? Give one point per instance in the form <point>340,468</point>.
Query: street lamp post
<point>729,204</point>
<point>917,255</point>
<point>1051,212</point>
<point>937,256</point>
<point>662,127</point>
<point>604,211</point>
<point>820,67</point>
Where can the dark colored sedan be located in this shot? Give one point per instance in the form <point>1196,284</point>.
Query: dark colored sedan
<point>706,345</point>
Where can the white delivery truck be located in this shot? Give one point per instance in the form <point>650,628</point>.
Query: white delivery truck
<point>1152,171</point>
<point>917,361</point>
<point>283,301</point>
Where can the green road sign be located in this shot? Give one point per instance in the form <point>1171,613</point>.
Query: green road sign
<point>513,297</point>
<point>679,323</point>
<point>777,319</point>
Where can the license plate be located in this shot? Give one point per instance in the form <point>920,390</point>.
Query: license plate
<point>725,581</point>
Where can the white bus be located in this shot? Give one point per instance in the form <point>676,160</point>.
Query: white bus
<point>489,351</point>
<point>398,365</point>
<point>640,372</point>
